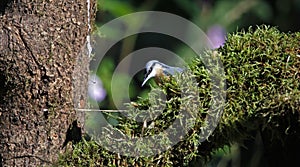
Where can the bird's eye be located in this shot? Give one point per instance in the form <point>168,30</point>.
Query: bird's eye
<point>151,68</point>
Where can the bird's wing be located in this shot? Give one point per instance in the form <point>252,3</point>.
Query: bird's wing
<point>174,70</point>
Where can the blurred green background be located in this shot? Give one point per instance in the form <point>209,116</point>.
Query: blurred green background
<point>230,14</point>
<point>216,18</point>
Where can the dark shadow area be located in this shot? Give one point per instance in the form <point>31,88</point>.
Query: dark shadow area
<point>3,88</point>
<point>4,5</point>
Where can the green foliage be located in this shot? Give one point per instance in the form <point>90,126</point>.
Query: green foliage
<point>262,75</point>
<point>117,8</point>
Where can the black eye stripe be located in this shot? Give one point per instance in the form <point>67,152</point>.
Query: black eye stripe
<point>149,71</point>
<point>151,68</point>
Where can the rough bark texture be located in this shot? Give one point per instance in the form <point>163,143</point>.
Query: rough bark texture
<point>39,48</point>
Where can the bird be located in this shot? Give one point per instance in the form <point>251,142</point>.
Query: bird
<point>159,71</point>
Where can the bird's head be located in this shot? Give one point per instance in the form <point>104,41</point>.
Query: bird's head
<point>153,68</point>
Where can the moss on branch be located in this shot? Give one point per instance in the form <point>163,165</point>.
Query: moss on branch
<point>263,94</point>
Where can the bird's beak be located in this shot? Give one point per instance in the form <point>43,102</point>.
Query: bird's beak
<point>147,78</point>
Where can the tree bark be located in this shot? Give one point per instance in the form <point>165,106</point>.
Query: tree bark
<point>43,43</point>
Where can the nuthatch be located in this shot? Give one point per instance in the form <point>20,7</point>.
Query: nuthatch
<point>159,70</point>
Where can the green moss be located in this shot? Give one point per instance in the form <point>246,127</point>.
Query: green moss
<point>262,76</point>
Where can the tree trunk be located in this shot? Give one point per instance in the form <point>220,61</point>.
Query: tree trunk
<point>42,44</point>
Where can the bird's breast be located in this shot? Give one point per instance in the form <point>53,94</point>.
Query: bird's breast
<point>160,77</point>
